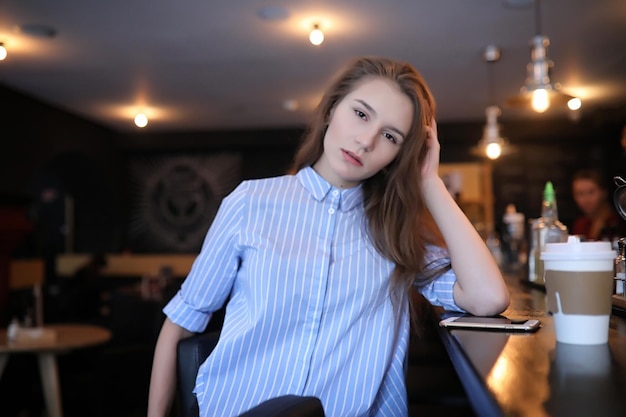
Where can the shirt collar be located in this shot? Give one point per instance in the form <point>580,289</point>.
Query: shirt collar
<point>319,189</point>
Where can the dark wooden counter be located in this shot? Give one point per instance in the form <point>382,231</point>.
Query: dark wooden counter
<point>512,374</point>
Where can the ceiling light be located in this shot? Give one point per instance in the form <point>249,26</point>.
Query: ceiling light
<point>290,105</point>
<point>493,150</point>
<point>316,37</point>
<point>539,92</point>
<point>574,104</point>
<point>491,144</point>
<point>141,120</point>
<point>3,51</point>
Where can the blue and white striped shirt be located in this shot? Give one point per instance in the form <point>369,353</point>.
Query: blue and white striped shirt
<point>310,311</point>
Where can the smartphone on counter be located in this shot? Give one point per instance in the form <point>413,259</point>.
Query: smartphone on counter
<point>491,323</point>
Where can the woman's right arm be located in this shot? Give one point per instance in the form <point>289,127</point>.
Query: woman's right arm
<point>163,378</point>
<point>215,267</point>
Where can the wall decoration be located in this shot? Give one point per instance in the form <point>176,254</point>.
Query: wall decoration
<point>176,197</point>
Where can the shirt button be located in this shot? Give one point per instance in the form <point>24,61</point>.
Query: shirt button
<point>331,211</point>
<point>335,193</point>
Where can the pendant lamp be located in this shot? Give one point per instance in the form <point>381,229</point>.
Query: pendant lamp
<point>491,145</point>
<point>539,92</point>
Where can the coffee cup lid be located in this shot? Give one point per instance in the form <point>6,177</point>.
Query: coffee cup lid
<point>574,248</point>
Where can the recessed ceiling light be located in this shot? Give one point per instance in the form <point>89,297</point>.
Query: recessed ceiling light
<point>141,120</point>
<point>316,37</point>
<point>290,105</point>
<point>273,13</point>
<point>37,31</point>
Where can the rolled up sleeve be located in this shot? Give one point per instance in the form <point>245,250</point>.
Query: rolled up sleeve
<point>439,291</point>
<point>185,315</point>
<point>213,272</point>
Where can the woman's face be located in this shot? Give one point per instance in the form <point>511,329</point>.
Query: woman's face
<point>588,196</point>
<point>365,133</point>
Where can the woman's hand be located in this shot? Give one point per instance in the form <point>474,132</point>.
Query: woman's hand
<point>430,166</point>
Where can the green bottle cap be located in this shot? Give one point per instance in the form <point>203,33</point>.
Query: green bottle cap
<point>548,192</point>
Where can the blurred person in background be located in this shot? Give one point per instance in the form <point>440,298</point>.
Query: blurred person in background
<point>599,219</point>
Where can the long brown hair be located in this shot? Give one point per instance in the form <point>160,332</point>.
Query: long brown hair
<point>399,223</point>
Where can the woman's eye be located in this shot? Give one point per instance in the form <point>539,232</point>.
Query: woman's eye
<point>390,137</point>
<point>360,114</point>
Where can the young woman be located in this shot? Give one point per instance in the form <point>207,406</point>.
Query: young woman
<point>319,265</point>
<point>599,220</point>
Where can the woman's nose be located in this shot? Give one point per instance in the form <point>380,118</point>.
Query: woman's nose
<point>366,140</point>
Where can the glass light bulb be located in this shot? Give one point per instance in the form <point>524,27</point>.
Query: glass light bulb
<point>141,120</point>
<point>3,52</point>
<point>493,150</point>
<point>574,103</point>
<point>541,102</point>
<point>316,37</point>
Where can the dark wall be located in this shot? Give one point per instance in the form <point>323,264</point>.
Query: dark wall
<point>52,158</point>
<point>46,149</point>
<point>48,156</point>
<point>265,152</point>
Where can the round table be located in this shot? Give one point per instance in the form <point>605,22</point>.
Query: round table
<point>67,337</point>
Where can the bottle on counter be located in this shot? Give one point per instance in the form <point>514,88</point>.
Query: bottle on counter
<point>620,269</point>
<point>513,237</point>
<point>545,229</point>
<point>13,329</point>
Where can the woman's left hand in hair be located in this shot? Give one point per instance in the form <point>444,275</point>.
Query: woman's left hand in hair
<point>430,166</point>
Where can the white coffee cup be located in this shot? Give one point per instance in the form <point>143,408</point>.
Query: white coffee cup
<point>579,285</point>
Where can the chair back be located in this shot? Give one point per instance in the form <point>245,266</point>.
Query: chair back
<point>25,274</point>
<point>193,351</point>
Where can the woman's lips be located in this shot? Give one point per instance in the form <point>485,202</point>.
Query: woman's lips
<point>352,158</point>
